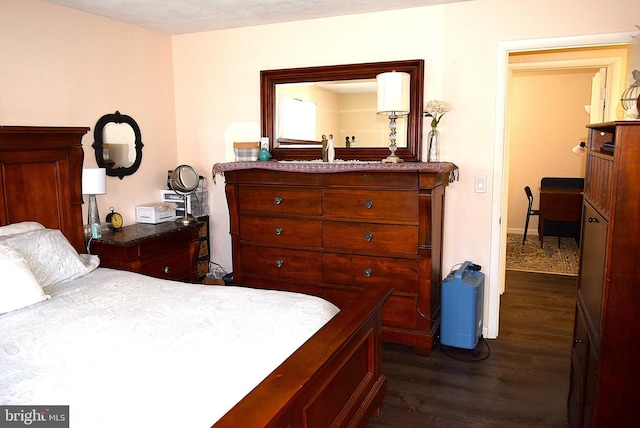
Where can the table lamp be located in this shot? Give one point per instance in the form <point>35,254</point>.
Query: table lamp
<point>393,101</point>
<point>94,182</point>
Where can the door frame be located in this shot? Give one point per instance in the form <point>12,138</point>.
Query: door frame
<point>497,266</point>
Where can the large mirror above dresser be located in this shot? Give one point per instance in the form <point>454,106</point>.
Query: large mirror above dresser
<point>346,93</point>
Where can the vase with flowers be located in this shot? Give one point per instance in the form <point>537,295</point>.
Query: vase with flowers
<point>435,110</point>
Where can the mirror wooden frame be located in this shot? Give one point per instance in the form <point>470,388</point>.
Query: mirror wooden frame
<point>270,78</point>
<point>98,144</point>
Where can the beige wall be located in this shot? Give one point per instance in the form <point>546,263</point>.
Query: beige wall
<point>62,67</point>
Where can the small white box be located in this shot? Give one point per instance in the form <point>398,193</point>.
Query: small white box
<point>197,202</point>
<point>156,212</point>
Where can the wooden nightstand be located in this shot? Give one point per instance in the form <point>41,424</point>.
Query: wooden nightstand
<point>165,250</point>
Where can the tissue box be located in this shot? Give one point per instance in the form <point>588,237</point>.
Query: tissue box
<point>156,212</point>
<point>246,151</point>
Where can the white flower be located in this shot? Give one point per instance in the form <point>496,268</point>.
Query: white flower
<point>436,109</point>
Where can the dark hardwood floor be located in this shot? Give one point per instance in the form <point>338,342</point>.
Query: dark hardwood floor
<point>522,382</point>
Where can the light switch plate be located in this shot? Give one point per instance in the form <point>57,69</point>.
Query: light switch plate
<point>480,184</point>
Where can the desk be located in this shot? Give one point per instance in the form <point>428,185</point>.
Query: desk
<point>562,204</point>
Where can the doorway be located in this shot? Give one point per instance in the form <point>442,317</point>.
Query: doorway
<point>501,166</point>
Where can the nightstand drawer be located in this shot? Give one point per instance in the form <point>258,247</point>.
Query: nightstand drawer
<point>369,204</point>
<point>371,237</point>
<point>279,231</point>
<point>280,200</point>
<point>401,274</point>
<point>282,263</point>
<point>169,265</point>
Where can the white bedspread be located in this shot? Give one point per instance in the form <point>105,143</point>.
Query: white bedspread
<point>125,350</point>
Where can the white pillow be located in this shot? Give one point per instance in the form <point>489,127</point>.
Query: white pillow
<point>25,226</point>
<point>51,258</point>
<point>18,286</point>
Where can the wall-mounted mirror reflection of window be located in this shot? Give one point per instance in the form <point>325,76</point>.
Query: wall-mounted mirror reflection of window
<point>117,144</point>
<point>345,108</point>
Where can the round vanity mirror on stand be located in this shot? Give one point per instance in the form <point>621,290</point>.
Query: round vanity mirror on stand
<point>184,181</point>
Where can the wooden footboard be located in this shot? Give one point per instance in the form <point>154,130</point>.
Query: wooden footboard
<point>333,380</point>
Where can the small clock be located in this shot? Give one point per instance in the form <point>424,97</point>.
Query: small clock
<point>114,219</point>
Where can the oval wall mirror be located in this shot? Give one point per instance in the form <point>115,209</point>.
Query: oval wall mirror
<point>184,180</point>
<point>117,144</point>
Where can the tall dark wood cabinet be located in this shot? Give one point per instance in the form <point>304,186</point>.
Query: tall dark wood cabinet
<point>330,231</point>
<point>605,366</point>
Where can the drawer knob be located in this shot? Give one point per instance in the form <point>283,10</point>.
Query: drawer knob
<point>368,204</point>
<point>278,231</point>
<point>279,263</point>
<point>277,200</point>
<point>593,220</point>
<point>165,269</point>
<point>368,236</point>
<point>579,340</point>
<point>367,272</point>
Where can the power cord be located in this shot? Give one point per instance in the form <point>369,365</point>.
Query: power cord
<point>476,355</point>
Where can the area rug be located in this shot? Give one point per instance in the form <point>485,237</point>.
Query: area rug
<point>549,259</point>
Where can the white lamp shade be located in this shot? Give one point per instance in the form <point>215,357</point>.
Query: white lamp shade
<point>94,181</point>
<point>580,149</point>
<point>393,92</point>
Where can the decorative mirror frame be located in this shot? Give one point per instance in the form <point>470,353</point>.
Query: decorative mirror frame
<point>98,144</point>
<point>270,78</point>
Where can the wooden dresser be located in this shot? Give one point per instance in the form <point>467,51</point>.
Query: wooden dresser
<point>604,367</point>
<point>165,250</point>
<point>330,230</point>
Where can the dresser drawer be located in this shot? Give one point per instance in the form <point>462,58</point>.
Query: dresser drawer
<point>380,180</point>
<point>279,263</point>
<point>280,200</point>
<point>401,274</point>
<point>269,177</point>
<point>370,204</point>
<point>168,265</point>
<point>278,231</point>
<point>371,237</point>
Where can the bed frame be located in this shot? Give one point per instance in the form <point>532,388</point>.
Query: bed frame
<point>334,379</point>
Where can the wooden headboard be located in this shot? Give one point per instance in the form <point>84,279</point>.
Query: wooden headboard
<point>41,178</point>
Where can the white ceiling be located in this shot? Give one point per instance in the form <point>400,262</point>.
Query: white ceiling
<point>193,16</point>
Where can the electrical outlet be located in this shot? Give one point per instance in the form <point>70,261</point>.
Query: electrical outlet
<point>480,185</point>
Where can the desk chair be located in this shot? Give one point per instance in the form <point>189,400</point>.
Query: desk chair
<point>530,211</point>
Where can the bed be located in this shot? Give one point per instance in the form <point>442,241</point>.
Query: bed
<point>328,375</point>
